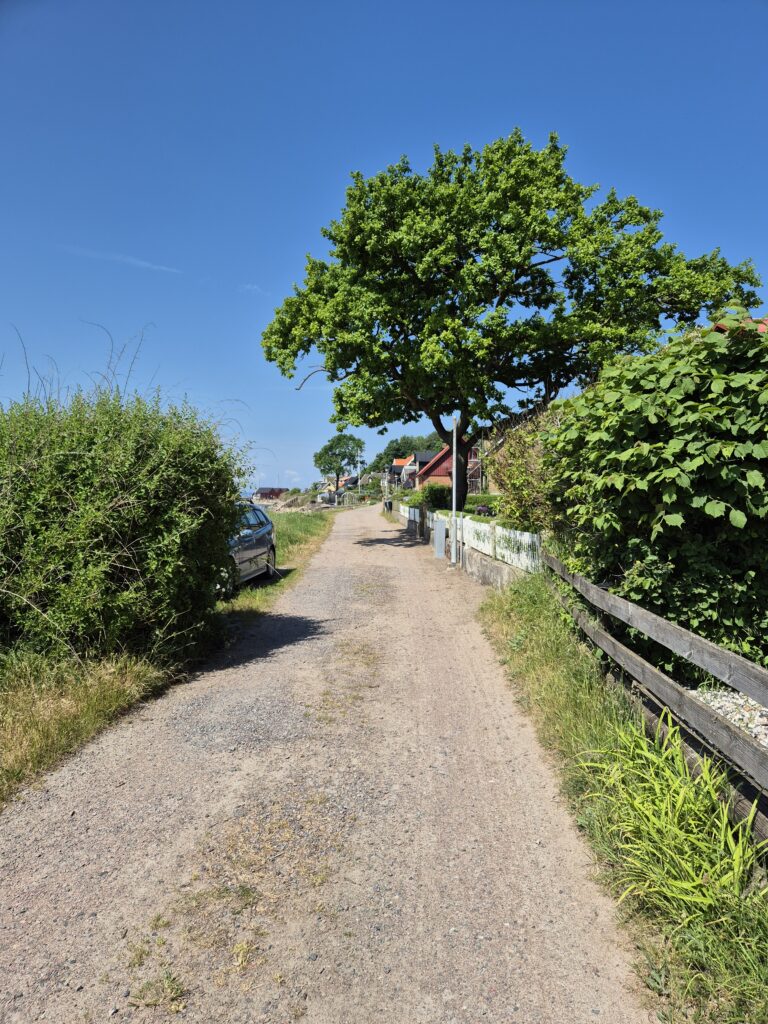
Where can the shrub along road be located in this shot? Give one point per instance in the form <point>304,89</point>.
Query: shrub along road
<point>346,819</point>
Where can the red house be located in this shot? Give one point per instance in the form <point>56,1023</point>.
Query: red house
<point>269,493</point>
<point>440,470</point>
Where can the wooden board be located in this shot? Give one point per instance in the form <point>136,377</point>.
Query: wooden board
<point>737,746</point>
<point>739,805</point>
<point>724,665</point>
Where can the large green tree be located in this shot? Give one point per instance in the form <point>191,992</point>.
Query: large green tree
<point>485,287</point>
<point>340,455</point>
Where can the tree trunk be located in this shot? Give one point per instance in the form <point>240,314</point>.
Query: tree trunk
<point>460,472</point>
<point>336,492</point>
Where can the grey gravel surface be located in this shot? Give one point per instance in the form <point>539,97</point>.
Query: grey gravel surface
<point>346,820</point>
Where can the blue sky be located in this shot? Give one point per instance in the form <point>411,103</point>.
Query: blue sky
<point>168,163</point>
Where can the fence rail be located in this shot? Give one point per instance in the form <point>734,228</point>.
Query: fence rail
<point>748,757</point>
<point>727,666</point>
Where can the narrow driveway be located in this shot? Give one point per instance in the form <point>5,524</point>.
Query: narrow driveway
<point>346,821</point>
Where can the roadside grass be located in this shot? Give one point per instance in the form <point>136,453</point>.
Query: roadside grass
<point>50,707</point>
<point>692,884</point>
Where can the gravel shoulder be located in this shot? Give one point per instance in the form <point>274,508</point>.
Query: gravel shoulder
<point>346,819</point>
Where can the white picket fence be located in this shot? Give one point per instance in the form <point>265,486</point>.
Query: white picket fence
<point>514,547</point>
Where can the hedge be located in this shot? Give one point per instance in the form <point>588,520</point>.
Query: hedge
<point>115,514</point>
<point>658,477</point>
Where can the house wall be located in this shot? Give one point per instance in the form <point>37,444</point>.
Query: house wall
<point>434,478</point>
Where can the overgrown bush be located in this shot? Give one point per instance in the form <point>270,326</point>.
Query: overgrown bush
<point>517,467</point>
<point>115,514</point>
<point>432,496</point>
<point>658,478</point>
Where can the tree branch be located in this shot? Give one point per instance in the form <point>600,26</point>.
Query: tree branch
<point>319,369</point>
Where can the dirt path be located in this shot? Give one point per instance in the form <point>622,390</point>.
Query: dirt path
<point>347,821</point>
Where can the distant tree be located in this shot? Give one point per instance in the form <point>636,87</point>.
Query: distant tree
<point>340,455</point>
<point>399,447</point>
<point>486,286</point>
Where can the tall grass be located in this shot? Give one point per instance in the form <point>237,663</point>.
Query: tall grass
<point>50,707</point>
<point>691,880</point>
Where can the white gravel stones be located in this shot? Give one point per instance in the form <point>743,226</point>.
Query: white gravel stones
<point>739,709</point>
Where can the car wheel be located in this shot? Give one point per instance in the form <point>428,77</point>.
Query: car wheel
<point>270,569</point>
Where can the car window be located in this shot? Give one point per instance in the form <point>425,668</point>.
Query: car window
<point>262,517</point>
<point>250,519</point>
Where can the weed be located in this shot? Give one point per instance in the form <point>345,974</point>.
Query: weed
<point>166,991</point>
<point>137,954</point>
<point>244,954</point>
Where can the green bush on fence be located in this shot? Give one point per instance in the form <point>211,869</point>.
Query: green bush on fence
<point>516,466</point>
<point>115,514</point>
<point>658,473</point>
<point>432,497</point>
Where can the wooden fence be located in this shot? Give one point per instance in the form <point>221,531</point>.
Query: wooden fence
<point>709,731</point>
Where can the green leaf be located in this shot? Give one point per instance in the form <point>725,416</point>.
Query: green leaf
<point>755,478</point>
<point>674,519</point>
<point>715,508</point>
<point>737,518</point>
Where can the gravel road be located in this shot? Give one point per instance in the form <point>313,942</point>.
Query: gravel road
<point>345,820</point>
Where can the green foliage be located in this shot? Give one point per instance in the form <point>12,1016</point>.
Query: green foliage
<point>115,516</point>
<point>677,842</point>
<point>491,501</point>
<point>666,844</point>
<point>340,455</point>
<point>399,447</point>
<point>432,496</point>
<point>659,478</point>
<point>517,467</point>
<point>493,274</point>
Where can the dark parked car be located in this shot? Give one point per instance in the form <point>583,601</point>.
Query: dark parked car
<point>252,548</point>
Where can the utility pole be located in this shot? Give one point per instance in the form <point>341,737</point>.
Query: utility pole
<point>454,531</point>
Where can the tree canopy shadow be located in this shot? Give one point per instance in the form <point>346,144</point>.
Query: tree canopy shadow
<point>401,539</point>
<point>253,635</point>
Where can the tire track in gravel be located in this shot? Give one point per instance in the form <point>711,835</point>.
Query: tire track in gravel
<point>346,820</point>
